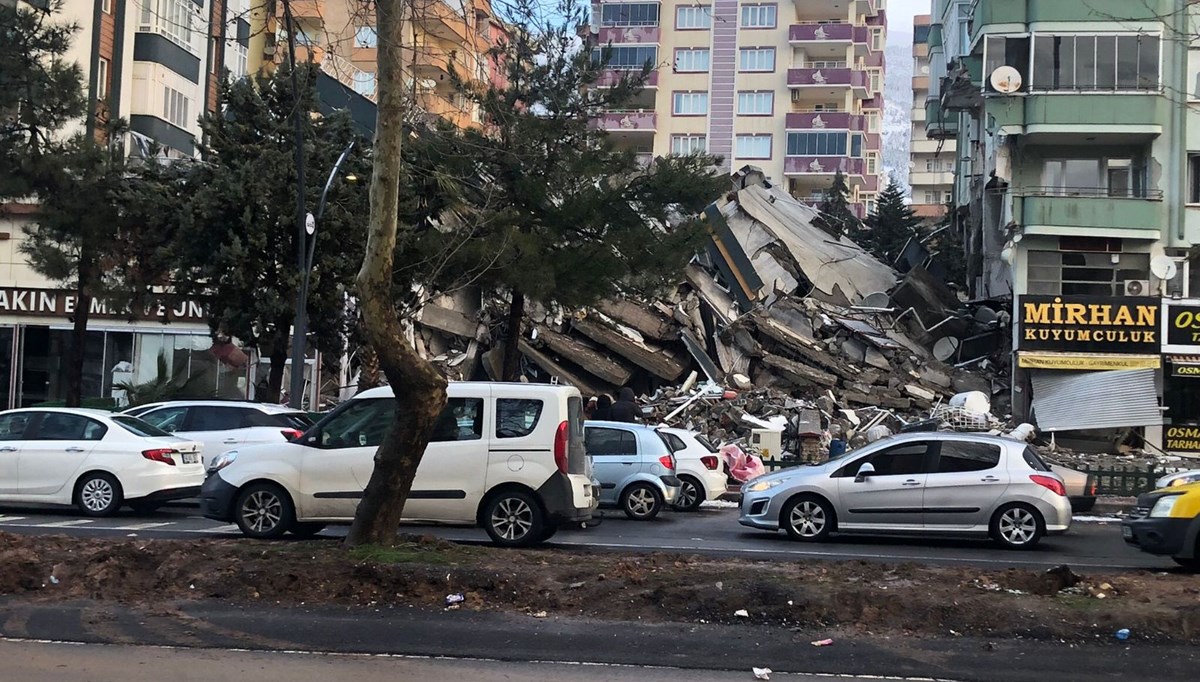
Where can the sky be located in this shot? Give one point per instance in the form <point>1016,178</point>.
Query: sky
<point>900,13</point>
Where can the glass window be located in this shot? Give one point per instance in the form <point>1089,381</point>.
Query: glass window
<point>13,425</point>
<point>1193,179</point>
<point>704,441</point>
<point>629,14</point>
<point>604,441</point>
<point>682,145</point>
<point>138,427</point>
<point>690,104</point>
<point>361,423</point>
<point>213,418</point>
<point>1008,51</point>
<point>366,37</point>
<point>1148,56</point>
<point>756,103</point>
<point>63,426</point>
<point>1034,460</point>
<point>462,419</point>
<point>898,460</point>
<point>626,57</point>
<point>753,147</point>
<point>168,419</point>
<point>516,418</point>
<point>1106,62</point>
<point>674,442</point>
<point>693,17</point>
<point>856,144</point>
<point>364,83</point>
<point>958,456</point>
<point>692,60</point>
<point>758,16</point>
<point>756,59</point>
<point>816,144</point>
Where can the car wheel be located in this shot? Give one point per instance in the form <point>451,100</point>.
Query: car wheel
<point>98,494</point>
<point>809,519</point>
<point>1017,526</point>
<point>641,501</point>
<point>691,495</point>
<point>514,519</point>
<point>264,511</point>
<point>548,532</point>
<point>306,530</point>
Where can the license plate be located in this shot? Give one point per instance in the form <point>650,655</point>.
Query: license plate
<point>1126,532</point>
<point>190,458</point>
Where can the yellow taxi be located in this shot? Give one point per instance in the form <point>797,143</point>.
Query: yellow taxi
<point>1167,522</point>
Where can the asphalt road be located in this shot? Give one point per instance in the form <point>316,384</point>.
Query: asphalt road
<point>711,531</point>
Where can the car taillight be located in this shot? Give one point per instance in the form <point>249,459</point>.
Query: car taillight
<point>668,462</point>
<point>1092,486</point>
<point>1052,484</point>
<point>161,455</point>
<point>710,462</point>
<point>292,434</point>
<point>562,446</point>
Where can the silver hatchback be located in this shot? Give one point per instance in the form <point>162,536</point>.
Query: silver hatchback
<point>927,483</point>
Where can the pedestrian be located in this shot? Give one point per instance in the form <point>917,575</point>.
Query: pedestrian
<point>590,408</point>
<point>603,409</point>
<point>625,409</point>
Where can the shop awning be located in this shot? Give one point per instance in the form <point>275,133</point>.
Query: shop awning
<point>1068,401</point>
<point>1184,359</point>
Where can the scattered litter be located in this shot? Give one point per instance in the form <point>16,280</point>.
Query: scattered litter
<point>576,586</point>
<point>454,599</point>
<point>762,673</point>
<point>823,642</point>
<point>742,613</point>
<point>720,585</point>
<point>190,587</point>
<point>53,580</point>
<point>1123,634</point>
<point>540,614</point>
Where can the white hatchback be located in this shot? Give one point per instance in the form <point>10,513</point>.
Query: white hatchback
<point>94,460</point>
<point>698,466</point>
<point>221,425</point>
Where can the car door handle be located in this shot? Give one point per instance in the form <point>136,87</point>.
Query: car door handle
<point>74,449</point>
<point>230,441</point>
<point>911,482</point>
<point>990,479</point>
<point>8,448</point>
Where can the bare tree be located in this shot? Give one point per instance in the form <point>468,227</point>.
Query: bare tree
<point>419,388</point>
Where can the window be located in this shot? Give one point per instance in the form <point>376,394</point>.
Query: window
<point>682,145</point>
<point>856,144</point>
<point>872,163</point>
<point>364,83</point>
<point>1007,51</point>
<point>601,441</point>
<point>366,37</point>
<point>876,39</point>
<point>360,424</point>
<point>1104,62</point>
<point>138,427</point>
<point>102,79</point>
<point>947,197</point>
<point>931,197</point>
<point>761,103</point>
<point>171,18</point>
<point>692,60</point>
<point>175,107</point>
<point>898,460</point>
<point>930,167</point>
<point>753,147</point>
<point>13,425</point>
<point>873,122</point>
<point>959,457</point>
<point>869,205</point>
<point>63,426</point>
<point>106,6</point>
<point>816,144</point>
<point>693,17</point>
<point>629,14</point>
<point>1081,273</point>
<point>169,419</point>
<point>462,419</point>
<point>758,16</point>
<point>1193,161</point>
<point>876,80</point>
<point>756,59</point>
<point>517,418</point>
<point>1033,460</point>
<point>690,104</point>
<point>674,442</point>
<point>626,57</point>
<point>213,418</point>
<point>1094,177</point>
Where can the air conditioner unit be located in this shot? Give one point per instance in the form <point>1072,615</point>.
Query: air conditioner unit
<point>796,95</point>
<point>768,442</point>
<point>1137,287</point>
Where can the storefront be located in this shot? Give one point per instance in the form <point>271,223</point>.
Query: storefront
<point>1092,364</point>
<point>1181,375</point>
<point>35,336</point>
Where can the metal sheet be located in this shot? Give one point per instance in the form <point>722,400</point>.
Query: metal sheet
<point>1067,401</point>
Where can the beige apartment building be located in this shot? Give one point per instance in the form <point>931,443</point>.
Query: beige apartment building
<point>795,88</point>
<point>931,166</point>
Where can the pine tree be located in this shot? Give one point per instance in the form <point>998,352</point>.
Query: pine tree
<point>891,226</point>
<point>835,216</point>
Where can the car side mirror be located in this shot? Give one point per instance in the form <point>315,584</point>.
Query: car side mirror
<point>864,472</point>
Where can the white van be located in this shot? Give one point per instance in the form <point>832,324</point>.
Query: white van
<point>507,457</point>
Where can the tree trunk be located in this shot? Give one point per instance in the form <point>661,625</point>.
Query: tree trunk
<point>368,369</point>
<point>512,337</point>
<point>83,307</point>
<point>420,389</point>
<point>279,358</point>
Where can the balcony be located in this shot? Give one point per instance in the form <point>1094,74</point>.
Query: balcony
<point>939,125</point>
<point>305,9</point>
<point>826,34</point>
<point>432,61</point>
<point>446,23</point>
<point>1048,210</point>
<point>820,120</point>
<point>633,120</point>
<point>920,83</point>
<point>827,75</point>
<point>931,178</point>
<point>824,166</point>
<point>610,77</point>
<point>1118,117</point>
<point>1005,16</point>
<point>628,34</point>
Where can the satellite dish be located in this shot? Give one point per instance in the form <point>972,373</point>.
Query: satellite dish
<point>1006,80</point>
<point>1163,267</point>
<point>945,348</point>
<point>876,299</point>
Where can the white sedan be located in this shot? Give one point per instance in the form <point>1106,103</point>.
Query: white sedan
<point>698,466</point>
<point>94,460</point>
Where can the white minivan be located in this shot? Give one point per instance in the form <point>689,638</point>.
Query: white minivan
<point>509,457</point>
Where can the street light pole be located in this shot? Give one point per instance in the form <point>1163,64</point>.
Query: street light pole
<point>308,249</point>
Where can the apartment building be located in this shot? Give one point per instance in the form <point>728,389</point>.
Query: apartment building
<point>795,88</point>
<point>931,161</point>
<point>1078,187</point>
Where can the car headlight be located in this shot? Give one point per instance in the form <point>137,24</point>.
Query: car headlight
<point>760,486</point>
<point>223,460</point>
<point>1163,506</point>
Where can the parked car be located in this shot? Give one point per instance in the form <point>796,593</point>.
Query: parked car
<point>698,467</point>
<point>932,483</point>
<point>635,467</point>
<point>1178,478</point>
<point>1167,522</point>
<point>95,460</point>
<point>1081,487</point>
<point>507,457</point>
<point>222,425</point>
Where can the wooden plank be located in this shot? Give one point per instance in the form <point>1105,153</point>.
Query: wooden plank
<point>565,376</point>
<point>799,371</point>
<point>666,363</point>
<point>642,318</point>
<point>449,321</point>
<point>590,359</point>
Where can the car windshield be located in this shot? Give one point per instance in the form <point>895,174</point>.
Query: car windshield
<point>138,427</point>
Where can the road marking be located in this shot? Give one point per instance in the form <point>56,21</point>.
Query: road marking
<point>63,524</point>
<point>143,526</point>
<point>7,519</point>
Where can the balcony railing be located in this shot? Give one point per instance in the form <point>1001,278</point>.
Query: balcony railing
<point>821,33</point>
<point>612,76</point>
<point>628,34</point>
<point>823,165</point>
<point>806,76</point>
<point>1087,192</point>
<point>835,120</point>
<point>632,120</point>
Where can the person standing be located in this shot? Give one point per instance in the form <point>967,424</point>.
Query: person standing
<point>603,409</point>
<point>625,409</point>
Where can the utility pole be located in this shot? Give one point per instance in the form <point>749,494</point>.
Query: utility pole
<point>300,323</point>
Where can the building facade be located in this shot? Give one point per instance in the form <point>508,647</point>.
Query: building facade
<point>931,161</point>
<point>795,88</point>
<point>1077,186</point>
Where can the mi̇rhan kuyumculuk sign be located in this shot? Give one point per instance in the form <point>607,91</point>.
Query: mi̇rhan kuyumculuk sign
<point>1088,324</point>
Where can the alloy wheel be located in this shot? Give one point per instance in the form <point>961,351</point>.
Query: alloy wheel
<point>512,518</point>
<point>687,494</point>
<point>1018,526</point>
<point>262,511</point>
<point>97,494</point>
<point>808,518</point>
<point>641,502</point>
